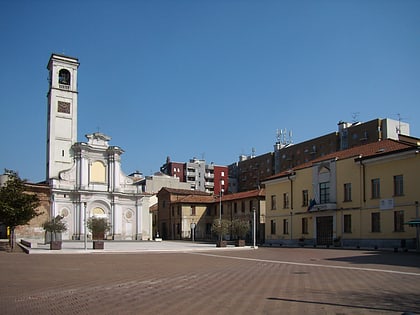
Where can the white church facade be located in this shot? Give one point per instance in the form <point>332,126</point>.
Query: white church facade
<point>86,178</point>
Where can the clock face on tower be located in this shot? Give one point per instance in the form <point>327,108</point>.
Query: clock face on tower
<point>63,107</point>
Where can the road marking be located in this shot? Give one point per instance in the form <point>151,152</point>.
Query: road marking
<point>312,265</point>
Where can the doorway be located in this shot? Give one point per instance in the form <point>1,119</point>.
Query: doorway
<point>324,230</point>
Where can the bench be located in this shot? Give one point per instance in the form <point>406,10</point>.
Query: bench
<point>25,246</point>
<point>25,243</point>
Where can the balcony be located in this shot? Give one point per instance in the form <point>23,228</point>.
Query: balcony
<point>191,174</point>
<point>209,184</point>
<point>324,207</point>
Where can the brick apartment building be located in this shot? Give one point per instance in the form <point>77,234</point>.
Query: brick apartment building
<point>248,173</point>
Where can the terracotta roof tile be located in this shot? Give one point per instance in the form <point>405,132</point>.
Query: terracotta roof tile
<point>185,191</point>
<point>195,199</point>
<point>368,150</point>
<point>243,195</point>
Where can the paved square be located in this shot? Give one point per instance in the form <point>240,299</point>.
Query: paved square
<point>261,281</point>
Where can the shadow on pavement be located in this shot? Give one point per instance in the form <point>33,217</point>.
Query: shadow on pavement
<point>401,304</point>
<point>383,258</point>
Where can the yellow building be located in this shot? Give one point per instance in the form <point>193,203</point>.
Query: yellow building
<point>182,211</point>
<point>184,214</point>
<point>248,206</point>
<point>360,197</point>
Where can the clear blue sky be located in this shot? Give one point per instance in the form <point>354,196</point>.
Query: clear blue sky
<point>207,79</point>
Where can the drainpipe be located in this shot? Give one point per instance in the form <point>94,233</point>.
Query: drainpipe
<point>291,205</point>
<point>364,196</point>
<point>363,179</point>
<point>417,227</point>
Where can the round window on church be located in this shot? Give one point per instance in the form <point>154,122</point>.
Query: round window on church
<point>129,215</point>
<point>64,213</point>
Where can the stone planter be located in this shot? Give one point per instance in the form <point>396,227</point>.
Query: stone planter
<point>98,244</point>
<point>55,245</point>
<point>240,243</point>
<point>221,243</point>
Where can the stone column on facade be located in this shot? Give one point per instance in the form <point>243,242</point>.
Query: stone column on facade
<point>76,219</point>
<point>139,205</point>
<point>85,171</point>
<point>79,219</point>
<point>114,160</point>
<point>77,157</point>
<point>111,172</point>
<point>116,215</point>
<point>117,171</point>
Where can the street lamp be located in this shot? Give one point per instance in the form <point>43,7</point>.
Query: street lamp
<point>220,209</point>
<point>85,225</point>
<point>193,225</point>
<point>254,232</point>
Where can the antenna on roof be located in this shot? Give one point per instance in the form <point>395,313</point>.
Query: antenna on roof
<point>355,116</point>
<point>283,137</point>
<point>398,129</point>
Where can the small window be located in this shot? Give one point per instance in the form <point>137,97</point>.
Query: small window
<point>376,189</point>
<point>324,192</point>
<point>305,198</point>
<point>347,223</point>
<point>193,210</point>
<point>304,225</point>
<point>285,226</point>
<point>399,221</point>
<point>376,222</point>
<point>273,202</point>
<point>285,201</point>
<point>398,185</point>
<point>273,227</point>
<point>347,192</point>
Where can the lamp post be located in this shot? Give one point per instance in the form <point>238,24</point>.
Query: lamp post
<point>417,227</point>
<point>254,232</point>
<point>220,212</point>
<point>193,230</point>
<point>85,225</point>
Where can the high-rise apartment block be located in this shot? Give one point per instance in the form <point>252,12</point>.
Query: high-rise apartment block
<point>200,175</point>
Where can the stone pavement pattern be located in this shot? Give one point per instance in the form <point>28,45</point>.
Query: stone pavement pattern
<point>262,281</point>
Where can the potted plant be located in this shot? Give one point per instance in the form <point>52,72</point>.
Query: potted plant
<point>98,227</point>
<point>240,228</point>
<point>220,227</point>
<point>53,229</point>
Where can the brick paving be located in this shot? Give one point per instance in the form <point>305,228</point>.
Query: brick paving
<point>262,281</point>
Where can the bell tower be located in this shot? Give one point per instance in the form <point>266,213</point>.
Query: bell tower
<point>62,113</point>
